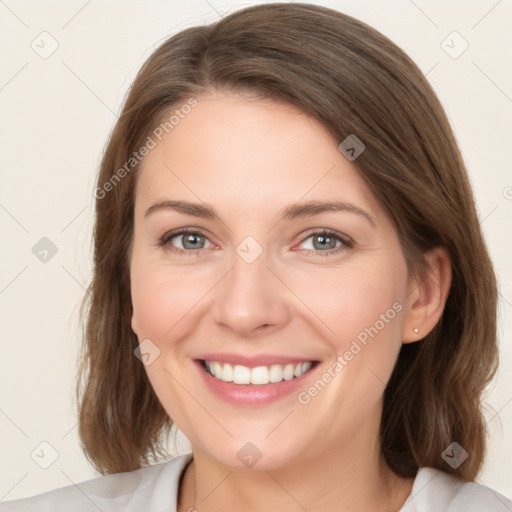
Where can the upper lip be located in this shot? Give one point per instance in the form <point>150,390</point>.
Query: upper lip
<point>253,361</point>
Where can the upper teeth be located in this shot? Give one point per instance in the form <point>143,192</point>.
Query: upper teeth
<point>239,374</point>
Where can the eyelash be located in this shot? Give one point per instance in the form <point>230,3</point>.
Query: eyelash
<point>346,243</point>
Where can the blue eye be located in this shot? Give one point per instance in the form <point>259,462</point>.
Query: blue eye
<point>190,240</point>
<point>326,242</point>
<point>323,241</point>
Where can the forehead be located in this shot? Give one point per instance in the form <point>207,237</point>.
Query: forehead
<point>233,150</point>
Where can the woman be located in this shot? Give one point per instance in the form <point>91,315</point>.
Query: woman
<point>289,267</point>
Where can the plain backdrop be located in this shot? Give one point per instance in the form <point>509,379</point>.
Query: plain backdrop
<point>65,69</point>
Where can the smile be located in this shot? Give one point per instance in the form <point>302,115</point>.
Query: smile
<point>259,375</point>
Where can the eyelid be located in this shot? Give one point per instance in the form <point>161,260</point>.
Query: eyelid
<point>166,238</point>
<point>183,231</point>
<point>345,240</point>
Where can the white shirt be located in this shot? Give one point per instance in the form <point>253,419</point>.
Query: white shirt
<point>155,489</point>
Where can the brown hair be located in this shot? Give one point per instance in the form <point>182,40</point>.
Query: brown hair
<point>354,81</point>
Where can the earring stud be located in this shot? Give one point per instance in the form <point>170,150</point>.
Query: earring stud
<point>416,330</point>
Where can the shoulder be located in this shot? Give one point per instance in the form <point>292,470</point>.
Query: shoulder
<point>436,491</point>
<point>151,488</point>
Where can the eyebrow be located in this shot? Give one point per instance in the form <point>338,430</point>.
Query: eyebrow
<point>317,207</point>
<point>294,211</point>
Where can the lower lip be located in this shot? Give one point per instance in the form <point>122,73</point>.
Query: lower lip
<point>250,394</point>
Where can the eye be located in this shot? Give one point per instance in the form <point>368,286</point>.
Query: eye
<point>326,241</point>
<point>192,240</point>
<point>185,240</point>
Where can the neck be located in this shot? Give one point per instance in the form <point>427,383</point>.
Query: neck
<point>346,478</point>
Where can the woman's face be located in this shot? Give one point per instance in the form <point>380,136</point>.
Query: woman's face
<point>307,323</point>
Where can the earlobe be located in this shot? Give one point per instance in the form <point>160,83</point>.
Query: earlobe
<point>427,296</point>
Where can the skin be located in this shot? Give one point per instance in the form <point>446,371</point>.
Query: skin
<point>249,159</point>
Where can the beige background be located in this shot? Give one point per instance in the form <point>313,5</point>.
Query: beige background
<point>56,113</point>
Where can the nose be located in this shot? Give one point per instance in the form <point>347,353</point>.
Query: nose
<point>251,300</point>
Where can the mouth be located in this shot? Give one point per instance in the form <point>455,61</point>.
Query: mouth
<point>254,380</point>
<point>241,375</point>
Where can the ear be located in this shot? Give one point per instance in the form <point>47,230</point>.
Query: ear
<point>427,296</point>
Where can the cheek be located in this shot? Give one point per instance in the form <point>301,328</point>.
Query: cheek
<point>361,308</point>
<point>356,303</point>
<point>161,301</point>
<point>162,309</point>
